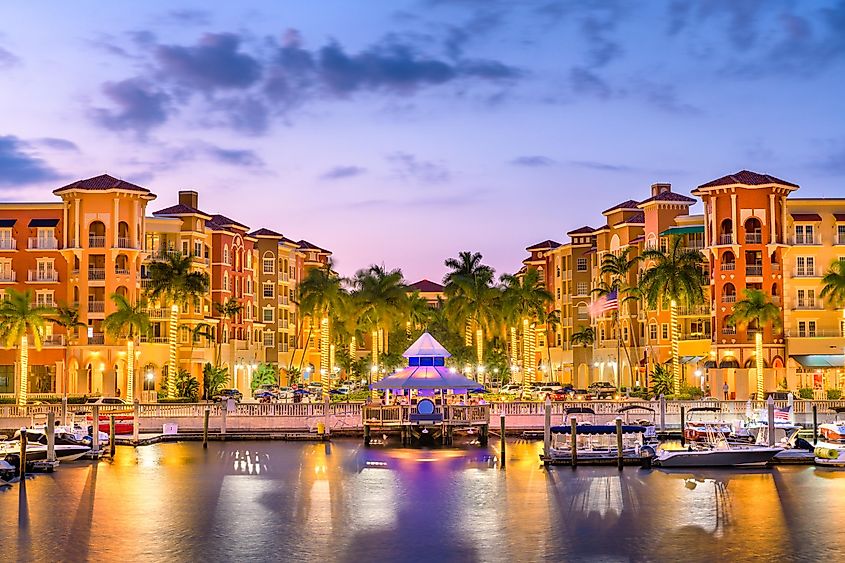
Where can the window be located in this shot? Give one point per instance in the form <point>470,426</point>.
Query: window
<point>840,234</point>
<point>198,249</point>
<point>582,288</point>
<point>558,293</point>
<point>249,286</point>
<point>557,271</point>
<point>806,298</point>
<point>226,282</point>
<point>664,331</point>
<point>226,254</point>
<point>625,333</point>
<point>184,248</point>
<point>7,378</point>
<point>42,379</point>
<point>805,266</point>
<point>249,260</point>
<point>6,240</point>
<point>269,265</point>
<point>804,234</point>
<point>652,331</point>
<point>267,315</point>
<point>44,299</point>
<point>269,338</point>
<point>268,290</point>
<point>806,329</point>
<point>583,312</point>
<point>581,264</point>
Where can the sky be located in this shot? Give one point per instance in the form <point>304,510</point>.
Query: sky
<point>402,132</point>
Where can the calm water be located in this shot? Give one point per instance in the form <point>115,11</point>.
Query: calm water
<point>342,502</point>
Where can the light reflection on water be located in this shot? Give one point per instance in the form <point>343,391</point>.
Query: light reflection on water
<point>343,502</point>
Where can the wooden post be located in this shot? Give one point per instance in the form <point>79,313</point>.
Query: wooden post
<point>619,453</point>
<point>683,423</point>
<point>815,424</point>
<point>136,422</point>
<point>662,412</point>
<point>366,435</point>
<point>547,428</point>
<point>205,416</point>
<point>223,410</point>
<point>326,410</point>
<point>502,430</point>
<point>95,429</point>
<point>22,468</point>
<point>574,437</point>
<point>112,445</point>
<point>64,411</point>
<point>51,436</point>
<point>770,407</point>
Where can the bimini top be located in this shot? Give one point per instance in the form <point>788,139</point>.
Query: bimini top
<point>426,369</point>
<point>592,429</point>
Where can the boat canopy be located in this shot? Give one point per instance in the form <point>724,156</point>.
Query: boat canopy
<point>704,409</point>
<point>592,429</point>
<point>580,410</point>
<point>636,408</point>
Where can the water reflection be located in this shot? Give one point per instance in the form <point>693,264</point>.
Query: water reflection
<point>341,501</point>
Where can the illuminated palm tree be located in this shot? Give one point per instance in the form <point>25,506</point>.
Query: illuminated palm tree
<point>18,319</point>
<point>584,337</point>
<point>131,321</point>
<point>174,284</point>
<point>674,277</point>
<point>467,266</point>
<point>618,268</point>
<point>382,301</point>
<point>755,311</point>
<point>475,302</point>
<point>321,296</point>
<point>67,317</point>
<point>226,310</point>
<point>524,300</point>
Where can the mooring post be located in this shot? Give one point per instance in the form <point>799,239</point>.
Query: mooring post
<point>683,423</point>
<point>547,428</point>
<point>770,407</point>
<point>22,468</point>
<point>502,430</point>
<point>64,411</point>
<point>223,409</point>
<point>112,445</point>
<point>662,412</point>
<point>367,435</point>
<point>136,422</point>
<point>95,428</point>
<point>815,424</point>
<point>326,415</point>
<point>51,436</point>
<point>205,416</point>
<point>574,437</point>
<point>619,452</point>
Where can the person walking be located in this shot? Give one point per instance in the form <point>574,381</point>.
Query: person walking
<point>726,389</point>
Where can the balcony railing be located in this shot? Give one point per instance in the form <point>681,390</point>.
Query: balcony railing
<point>121,271</point>
<point>155,313</point>
<point>96,241</point>
<point>97,338</point>
<point>805,240</point>
<point>729,298</point>
<point>798,333</point>
<point>124,242</point>
<point>726,239</point>
<point>753,238</point>
<point>840,240</point>
<point>8,244</point>
<point>154,339</point>
<point>776,266</point>
<point>40,243</point>
<point>805,273</point>
<point>695,336</point>
<point>754,270</point>
<point>96,274</point>
<point>696,311</point>
<point>96,306</point>
<point>53,340</point>
<point>7,276</point>
<point>728,330</point>
<point>728,266</point>
<point>42,276</point>
<point>146,282</point>
<point>808,306</point>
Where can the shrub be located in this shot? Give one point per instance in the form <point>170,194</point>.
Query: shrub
<point>805,393</point>
<point>661,379</point>
<point>834,394</point>
<point>693,391</point>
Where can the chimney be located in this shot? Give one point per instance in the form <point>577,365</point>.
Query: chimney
<point>189,198</point>
<point>657,189</point>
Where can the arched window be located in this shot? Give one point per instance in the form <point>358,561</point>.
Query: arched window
<point>122,291</point>
<point>89,373</point>
<point>753,231</point>
<point>583,312</point>
<point>97,235</point>
<point>728,261</point>
<point>226,281</point>
<point>226,254</point>
<point>726,231</point>
<point>121,264</point>
<point>249,260</point>
<point>728,293</point>
<point>123,234</point>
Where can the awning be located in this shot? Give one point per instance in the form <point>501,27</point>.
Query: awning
<point>812,217</point>
<point>691,359</point>
<point>683,230</point>
<point>840,217</point>
<point>43,222</point>
<point>820,360</point>
<point>8,222</point>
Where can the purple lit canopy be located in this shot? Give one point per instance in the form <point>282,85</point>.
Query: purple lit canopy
<point>426,369</point>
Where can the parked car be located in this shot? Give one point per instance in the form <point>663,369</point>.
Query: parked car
<point>262,390</point>
<point>601,390</point>
<point>560,395</point>
<point>226,394</point>
<point>511,389</point>
<point>344,390</point>
<point>579,394</point>
<point>105,401</point>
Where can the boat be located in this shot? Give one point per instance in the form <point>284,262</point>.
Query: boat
<point>123,424</point>
<point>713,450</point>
<point>704,430</point>
<point>597,441</point>
<point>641,415</point>
<point>66,448</point>
<point>830,447</point>
<point>756,429</point>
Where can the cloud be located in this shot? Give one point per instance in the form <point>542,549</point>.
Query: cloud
<point>140,106</point>
<point>340,172</point>
<point>234,157</point>
<point>409,167</point>
<point>8,59</point>
<point>585,82</point>
<point>214,63</point>
<point>188,17</point>
<point>601,166</point>
<point>58,144</point>
<point>18,166</point>
<point>532,161</point>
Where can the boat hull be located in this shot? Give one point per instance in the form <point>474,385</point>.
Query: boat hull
<point>750,457</point>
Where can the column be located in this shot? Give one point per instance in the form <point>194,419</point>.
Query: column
<point>64,224</point>
<point>133,236</point>
<point>772,238</point>
<point>783,218</point>
<point>733,219</point>
<point>78,220</point>
<point>115,220</point>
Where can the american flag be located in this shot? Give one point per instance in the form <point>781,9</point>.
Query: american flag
<point>608,302</point>
<point>782,415</point>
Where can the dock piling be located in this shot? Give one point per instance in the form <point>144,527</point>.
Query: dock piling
<point>547,428</point>
<point>136,422</point>
<point>502,430</point>
<point>223,409</point>
<point>22,468</point>
<point>64,411</point>
<point>112,444</point>
<point>770,407</point>
<point>50,431</point>
<point>815,424</point>
<point>205,415</point>
<point>619,451</point>
<point>95,429</point>
<point>662,413</point>
<point>683,423</point>
<point>574,436</point>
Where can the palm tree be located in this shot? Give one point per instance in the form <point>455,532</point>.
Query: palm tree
<point>552,322</point>
<point>618,268</point>
<point>18,319</point>
<point>229,309</point>
<point>466,266</point>
<point>381,299</point>
<point>584,337</point>
<point>129,320</point>
<point>755,311</point>
<point>833,284</point>
<point>419,311</point>
<point>199,330</point>
<point>321,295</point>
<point>475,302</point>
<point>674,276</point>
<point>525,300</point>
<point>173,283</point>
<point>67,317</point>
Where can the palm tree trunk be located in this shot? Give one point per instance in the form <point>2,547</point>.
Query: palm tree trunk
<point>676,361</point>
<point>307,342</point>
<point>514,349</point>
<point>22,389</point>
<point>172,365</point>
<point>468,334</point>
<point>479,345</point>
<point>324,347</point>
<point>130,369</point>
<point>758,351</point>
<point>374,335</point>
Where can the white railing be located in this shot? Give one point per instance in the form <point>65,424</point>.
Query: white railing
<point>7,276</point>
<point>728,266</point>
<point>753,238</point>
<point>805,240</point>
<point>96,306</point>
<point>96,241</point>
<point>726,239</point>
<point>805,272</point>
<point>40,243</point>
<point>729,298</point>
<point>8,244</point>
<point>96,274</point>
<point>42,276</point>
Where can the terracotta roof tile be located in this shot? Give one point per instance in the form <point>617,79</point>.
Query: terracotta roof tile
<point>178,209</point>
<point>223,221</point>
<point>426,286</point>
<point>635,219</point>
<point>630,204</point>
<point>102,182</point>
<point>265,233</point>
<point>546,244</point>
<point>668,196</point>
<point>585,230</point>
<point>748,178</point>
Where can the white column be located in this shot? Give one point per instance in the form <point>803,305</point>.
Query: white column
<point>78,220</point>
<point>772,217</point>
<point>706,225</point>
<point>115,221</point>
<point>64,224</point>
<point>733,218</point>
<point>133,234</point>
<point>783,219</point>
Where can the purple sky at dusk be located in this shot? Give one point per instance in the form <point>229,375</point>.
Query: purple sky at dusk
<point>404,132</point>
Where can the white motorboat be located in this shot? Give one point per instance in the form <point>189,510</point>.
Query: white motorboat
<point>715,456</point>
<point>704,429</point>
<point>66,448</point>
<point>598,441</point>
<point>830,448</point>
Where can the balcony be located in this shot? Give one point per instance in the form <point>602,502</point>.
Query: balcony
<point>696,311</point>
<point>729,298</point>
<point>754,270</point>
<point>805,273</point>
<point>95,241</point>
<point>200,259</point>
<point>8,244</point>
<point>97,338</point>
<point>728,266</point>
<point>41,243</point>
<point>840,240</point>
<point>283,277</point>
<point>805,240</point>
<point>158,313</point>
<point>726,239</point>
<point>753,238</point>
<point>776,266</point>
<point>695,336</point>
<point>808,306</point>
<point>53,340</point>
<point>7,276</point>
<point>146,283</point>
<point>154,339</point>
<point>125,242</point>
<point>121,271</point>
<point>43,276</point>
<point>798,333</point>
<point>96,306</point>
<point>96,274</point>
<point>728,330</point>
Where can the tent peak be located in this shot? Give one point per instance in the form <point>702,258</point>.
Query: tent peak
<point>426,346</point>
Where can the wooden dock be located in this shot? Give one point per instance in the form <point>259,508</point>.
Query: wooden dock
<point>439,427</point>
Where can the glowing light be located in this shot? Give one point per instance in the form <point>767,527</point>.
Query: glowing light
<point>171,364</point>
<point>130,369</point>
<point>24,370</point>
